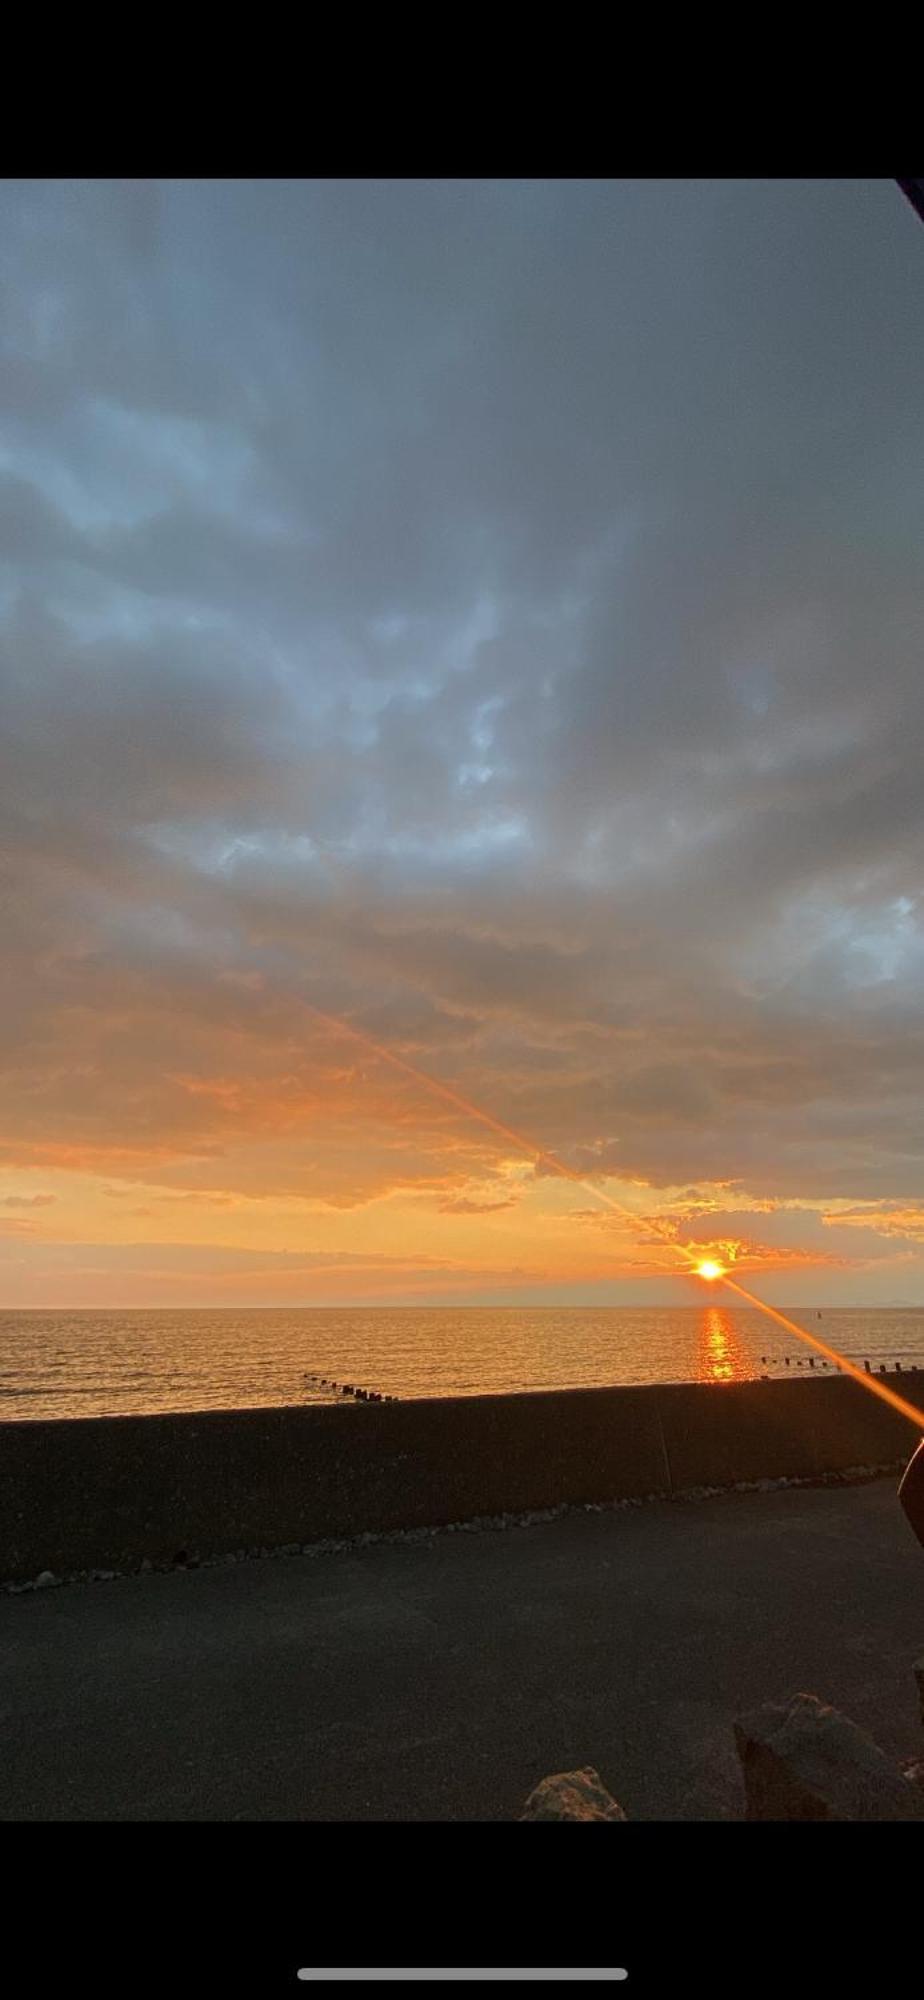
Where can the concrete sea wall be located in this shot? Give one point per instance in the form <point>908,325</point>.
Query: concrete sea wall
<point>106,1492</point>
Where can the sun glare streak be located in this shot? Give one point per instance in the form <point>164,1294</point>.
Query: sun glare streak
<point>876,1388</point>
<point>539,1154</point>
<point>707,1268</point>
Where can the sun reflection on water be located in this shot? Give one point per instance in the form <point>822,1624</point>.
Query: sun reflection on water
<point>722,1356</point>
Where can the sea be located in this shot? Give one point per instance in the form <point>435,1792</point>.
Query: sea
<point>93,1364</point>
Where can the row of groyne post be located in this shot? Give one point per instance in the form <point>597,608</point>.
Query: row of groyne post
<point>350,1389</point>
<point>816,1361</point>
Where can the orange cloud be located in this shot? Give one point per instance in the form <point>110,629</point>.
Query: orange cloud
<point>468,1205</point>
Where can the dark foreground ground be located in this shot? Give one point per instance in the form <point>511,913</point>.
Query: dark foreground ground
<point>439,1680</point>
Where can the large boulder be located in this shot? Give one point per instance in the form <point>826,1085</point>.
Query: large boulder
<point>803,1760</point>
<point>572,1795</point>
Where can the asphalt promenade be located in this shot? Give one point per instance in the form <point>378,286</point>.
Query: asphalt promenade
<point>439,1678</point>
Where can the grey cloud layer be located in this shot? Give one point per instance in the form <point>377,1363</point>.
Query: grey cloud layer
<point>495,611</point>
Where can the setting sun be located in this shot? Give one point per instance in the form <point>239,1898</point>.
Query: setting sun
<point>709,1269</point>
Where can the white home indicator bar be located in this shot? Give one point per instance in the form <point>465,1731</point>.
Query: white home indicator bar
<point>465,1972</point>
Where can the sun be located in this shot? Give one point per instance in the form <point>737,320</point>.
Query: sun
<point>709,1269</point>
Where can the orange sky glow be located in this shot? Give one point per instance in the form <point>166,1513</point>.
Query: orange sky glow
<point>336,1183</point>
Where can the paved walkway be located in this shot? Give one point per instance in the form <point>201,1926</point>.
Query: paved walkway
<point>440,1680</point>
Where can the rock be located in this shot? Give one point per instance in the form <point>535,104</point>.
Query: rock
<point>45,1579</point>
<point>803,1760</point>
<point>919,1677</point>
<point>572,1795</point>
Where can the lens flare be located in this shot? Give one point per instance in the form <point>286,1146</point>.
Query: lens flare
<point>706,1267</point>
<point>876,1388</point>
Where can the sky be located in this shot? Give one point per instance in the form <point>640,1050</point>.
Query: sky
<point>489,614</point>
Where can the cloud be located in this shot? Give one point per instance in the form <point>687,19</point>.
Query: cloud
<point>468,1205</point>
<point>490,612</point>
<point>177,1273</point>
<point>882,1218</point>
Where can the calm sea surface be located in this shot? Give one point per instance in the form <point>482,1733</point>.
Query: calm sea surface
<point>87,1364</point>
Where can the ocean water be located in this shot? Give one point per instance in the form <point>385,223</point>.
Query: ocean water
<point>88,1364</point>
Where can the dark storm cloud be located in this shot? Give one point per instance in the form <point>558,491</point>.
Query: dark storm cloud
<point>493,610</point>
